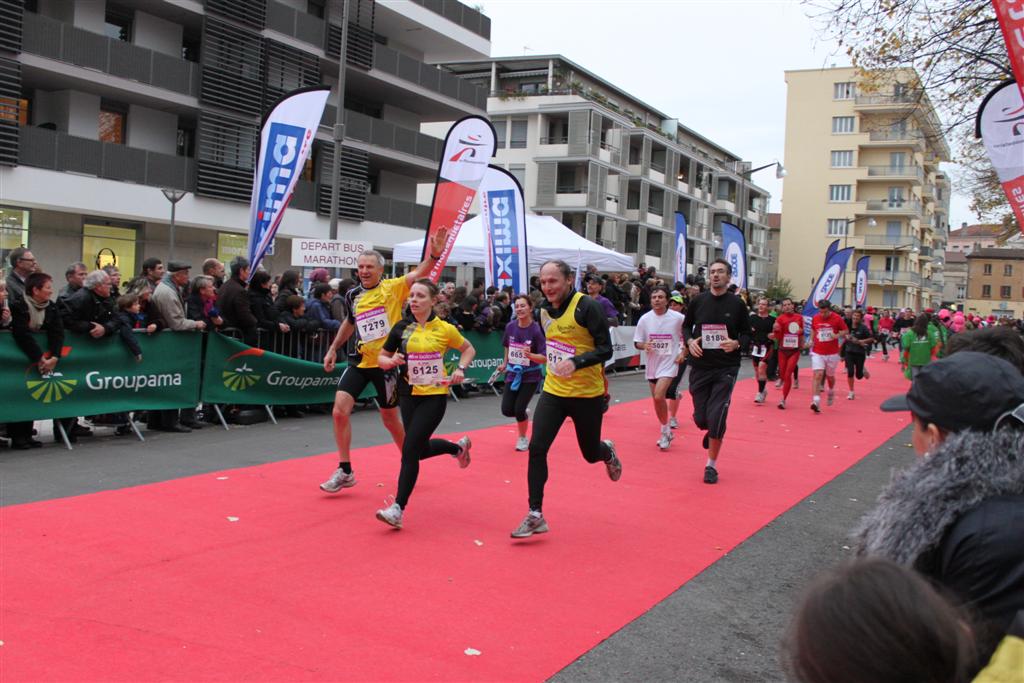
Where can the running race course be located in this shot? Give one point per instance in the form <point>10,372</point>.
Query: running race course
<point>254,574</point>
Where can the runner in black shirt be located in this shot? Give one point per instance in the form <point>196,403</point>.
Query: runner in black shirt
<point>761,349</point>
<point>715,323</point>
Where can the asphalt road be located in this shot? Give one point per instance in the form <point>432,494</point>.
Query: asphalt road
<point>724,625</point>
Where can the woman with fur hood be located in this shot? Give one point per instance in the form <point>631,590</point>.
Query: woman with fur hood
<point>957,514</point>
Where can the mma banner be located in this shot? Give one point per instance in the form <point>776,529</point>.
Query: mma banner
<point>504,219</point>
<point>734,248</point>
<point>680,264</point>
<point>285,144</point>
<point>468,149</point>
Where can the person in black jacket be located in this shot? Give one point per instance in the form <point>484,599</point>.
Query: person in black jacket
<point>288,287</point>
<point>90,310</point>
<point>957,514</point>
<point>202,302</point>
<point>268,317</point>
<point>30,314</point>
<point>233,301</point>
<point>128,318</point>
<point>300,326</point>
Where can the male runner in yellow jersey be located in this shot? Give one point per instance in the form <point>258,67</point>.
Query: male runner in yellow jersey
<point>373,307</point>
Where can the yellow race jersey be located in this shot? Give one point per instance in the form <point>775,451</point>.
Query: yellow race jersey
<point>424,346</point>
<point>374,312</point>
<point>566,339</point>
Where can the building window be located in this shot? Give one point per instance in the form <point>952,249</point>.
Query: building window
<point>961,292</point>
<point>13,232</point>
<point>519,172</point>
<point>837,227</point>
<point>1008,270</point>
<point>839,193</point>
<point>843,91</point>
<point>230,245</point>
<point>113,123</point>
<point>517,138</point>
<point>842,158</point>
<point>842,124</point>
<point>632,239</point>
<point>316,8</point>
<point>986,269</point>
<point>653,243</point>
<point>500,126</point>
<point>118,23</point>
<point>106,245</point>
<point>1004,292</point>
<point>986,291</point>
<point>892,263</point>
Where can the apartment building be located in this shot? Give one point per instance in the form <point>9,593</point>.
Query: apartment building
<point>863,157</point>
<point>614,168</point>
<point>105,104</point>
<point>967,238</point>
<point>995,282</point>
<point>954,290</point>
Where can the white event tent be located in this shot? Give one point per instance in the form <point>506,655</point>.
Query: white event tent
<point>547,239</point>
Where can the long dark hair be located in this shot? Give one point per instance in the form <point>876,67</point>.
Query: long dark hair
<point>874,620</point>
<point>920,327</point>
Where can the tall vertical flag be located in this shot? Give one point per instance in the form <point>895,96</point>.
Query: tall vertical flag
<point>1000,125</point>
<point>504,219</point>
<point>468,149</point>
<point>734,247</point>
<point>285,143</point>
<point>832,249</point>
<point>1010,14</point>
<point>680,266</point>
<point>579,271</point>
<point>860,292</point>
<point>827,281</point>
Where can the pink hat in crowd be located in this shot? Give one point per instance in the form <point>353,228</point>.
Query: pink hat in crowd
<point>944,314</point>
<point>320,275</point>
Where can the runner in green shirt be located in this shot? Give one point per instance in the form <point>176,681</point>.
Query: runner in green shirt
<point>919,345</point>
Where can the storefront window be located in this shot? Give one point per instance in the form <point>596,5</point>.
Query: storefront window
<point>13,232</point>
<point>105,245</point>
<point>230,245</point>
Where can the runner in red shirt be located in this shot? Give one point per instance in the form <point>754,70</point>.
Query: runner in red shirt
<point>827,328</point>
<point>788,329</point>
<point>885,324</point>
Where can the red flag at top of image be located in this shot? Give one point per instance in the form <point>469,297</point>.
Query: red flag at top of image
<point>1010,14</point>
<point>468,149</point>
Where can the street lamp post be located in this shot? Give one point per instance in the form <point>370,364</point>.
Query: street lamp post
<point>741,198</point>
<point>173,196</point>
<point>846,235</point>
<point>892,262</point>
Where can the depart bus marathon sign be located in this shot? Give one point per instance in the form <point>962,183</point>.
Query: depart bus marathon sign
<point>316,253</point>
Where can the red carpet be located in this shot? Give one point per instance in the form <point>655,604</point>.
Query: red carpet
<point>157,583</point>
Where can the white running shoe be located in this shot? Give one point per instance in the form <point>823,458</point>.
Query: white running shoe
<point>849,396</point>
<point>778,384</point>
<point>522,444</point>
<point>831,397</point>
<point>391,515</point>
<point>673,423</point>
<point>531,524</point>
<point>760,397</point>
<point>782,404</point>
<point>664,442</point>
<point>463,455</point>
<point>338,481</point>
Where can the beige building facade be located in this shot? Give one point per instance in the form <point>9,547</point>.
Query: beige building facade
<point>863,167</point>
<point>995,282</point>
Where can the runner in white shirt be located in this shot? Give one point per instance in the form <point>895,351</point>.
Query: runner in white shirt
<point>659,333</point>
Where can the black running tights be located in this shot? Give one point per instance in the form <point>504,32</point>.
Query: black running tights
<point>421,415</point>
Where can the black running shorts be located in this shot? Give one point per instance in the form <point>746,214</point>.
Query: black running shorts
<point>353,382</point>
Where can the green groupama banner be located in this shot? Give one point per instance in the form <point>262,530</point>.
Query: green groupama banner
<point>489,354</point>
<point>236,373</point>
<point>96,376</point>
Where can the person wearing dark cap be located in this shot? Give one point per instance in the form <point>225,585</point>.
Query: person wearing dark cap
<point>957,514</point>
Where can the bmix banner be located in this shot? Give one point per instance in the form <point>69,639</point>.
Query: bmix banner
<point>101,376</point>
<point>827,282</point>
<point>285,144</point>
<point>680,264</point>
<point>734,249</point>
<point>1000,125</point>
<point>860,292</point>
<point>468,149</point>
<point>504,219</point>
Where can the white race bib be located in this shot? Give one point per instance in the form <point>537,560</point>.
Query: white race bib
<point>373,324</point>
<point>826,334</point>
<point>425,368</point>
<point>790,341</point>
<point>661,344</point>
<point>758,351</point>
<point>518,354</point>
<point>558,351</point>
<point>712,336</point>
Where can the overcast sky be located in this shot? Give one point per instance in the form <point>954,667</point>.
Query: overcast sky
<point>716,65</point>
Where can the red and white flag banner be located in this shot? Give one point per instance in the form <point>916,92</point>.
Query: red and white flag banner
<point>1000,125</point>
<point>468,149</point>
<point>1010,14</point>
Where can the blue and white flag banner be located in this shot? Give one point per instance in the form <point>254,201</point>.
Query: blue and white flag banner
<point>579,271</point>
<point>860,292</point>
<point>734,248</point>
<point>827,282</point>
<point>504,219</point>
<point>832,249</point>
<point>680,266</point>
<point>285,143</point>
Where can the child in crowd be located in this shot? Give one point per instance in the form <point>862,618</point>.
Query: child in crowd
<point>129,315</point>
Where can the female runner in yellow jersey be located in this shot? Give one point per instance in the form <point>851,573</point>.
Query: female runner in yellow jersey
<point>417,345</point>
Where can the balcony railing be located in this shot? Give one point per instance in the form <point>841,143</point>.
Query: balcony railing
<point>386,134</point>
<point>570,188</point>
<point>894,206</point>
<point>397,212</point>
<point>430,77</point>
<point>64,42</point>
<point>897,276</point>
<point>468,18</point>
<point>895,135</point>
<point>557,140</point>
<point>904,241</point>
<point>909,97</point>
<point>57,151</point>
<point>925,251</point>
<point>901,171</point>
<point>295,23</point>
